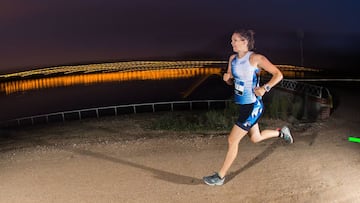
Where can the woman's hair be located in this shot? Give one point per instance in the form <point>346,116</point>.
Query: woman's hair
<point>249,36</point>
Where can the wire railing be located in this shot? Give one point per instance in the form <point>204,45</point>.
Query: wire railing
<point>98,112</point>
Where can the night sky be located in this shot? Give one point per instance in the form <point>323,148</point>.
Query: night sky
<point>43,33</point>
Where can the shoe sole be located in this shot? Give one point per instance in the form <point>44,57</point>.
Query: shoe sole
<point>213,184</point>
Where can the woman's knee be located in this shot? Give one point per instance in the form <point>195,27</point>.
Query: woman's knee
<point>233,140</point>
<point>236,135</point>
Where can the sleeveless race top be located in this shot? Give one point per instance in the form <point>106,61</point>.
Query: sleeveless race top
<point>245,79</point>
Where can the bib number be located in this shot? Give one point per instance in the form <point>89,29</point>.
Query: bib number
<point>239,87</point>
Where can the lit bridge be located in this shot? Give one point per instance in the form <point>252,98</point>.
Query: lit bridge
<point>62,76</point>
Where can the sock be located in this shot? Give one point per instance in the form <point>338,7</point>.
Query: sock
<point>280,133</point>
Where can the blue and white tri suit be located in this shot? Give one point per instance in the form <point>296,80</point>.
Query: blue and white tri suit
<point>246,78</point>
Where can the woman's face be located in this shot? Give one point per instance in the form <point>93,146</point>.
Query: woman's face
<point>238,43</point>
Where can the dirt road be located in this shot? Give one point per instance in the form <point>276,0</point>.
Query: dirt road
<point>116,160</point>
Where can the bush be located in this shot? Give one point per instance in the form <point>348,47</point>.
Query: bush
<point>222,119</point>
<point>211,120</point>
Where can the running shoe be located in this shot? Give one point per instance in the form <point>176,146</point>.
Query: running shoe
<point>214,179</point>
<point>286,135</point>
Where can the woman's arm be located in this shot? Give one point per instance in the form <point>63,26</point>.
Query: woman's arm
<point>263,63</point>
<point>228,77</point>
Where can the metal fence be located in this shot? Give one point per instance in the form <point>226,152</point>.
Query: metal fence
<point>304,88</point>
<point>293,86</point>
<point>115,111</point>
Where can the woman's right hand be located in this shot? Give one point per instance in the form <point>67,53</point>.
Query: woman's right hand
<point>226,77</point>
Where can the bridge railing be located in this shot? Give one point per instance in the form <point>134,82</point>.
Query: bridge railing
<point>307,102</point>
<point>308,89</point>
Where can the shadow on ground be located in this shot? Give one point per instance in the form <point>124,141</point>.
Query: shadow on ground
<point>160,174</point>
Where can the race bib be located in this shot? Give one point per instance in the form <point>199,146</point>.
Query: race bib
<point>239,87</point>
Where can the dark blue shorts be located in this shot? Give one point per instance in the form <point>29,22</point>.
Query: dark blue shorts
<point>249,114</point>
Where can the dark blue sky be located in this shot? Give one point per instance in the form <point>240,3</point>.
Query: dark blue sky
<point>40,33</point>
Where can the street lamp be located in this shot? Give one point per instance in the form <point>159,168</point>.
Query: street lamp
<point>300,34</point>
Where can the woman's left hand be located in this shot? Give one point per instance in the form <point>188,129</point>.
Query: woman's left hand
<point>259,91</point>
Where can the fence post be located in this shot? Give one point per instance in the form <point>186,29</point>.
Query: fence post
<point>305,111</point>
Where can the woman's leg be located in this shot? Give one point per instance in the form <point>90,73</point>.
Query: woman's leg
<point>257,136</point>
<point>234,138</point>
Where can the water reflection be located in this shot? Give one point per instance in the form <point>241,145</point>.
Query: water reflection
<point>123,71</point>
<point>87,79</point>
